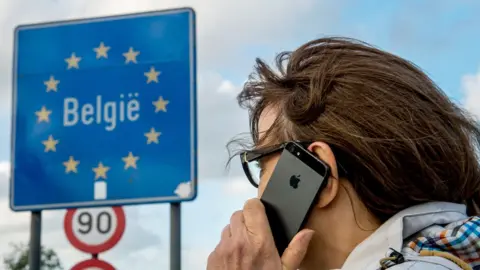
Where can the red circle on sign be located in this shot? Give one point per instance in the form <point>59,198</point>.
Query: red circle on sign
<point>93,263</point>
<point>95,249</point>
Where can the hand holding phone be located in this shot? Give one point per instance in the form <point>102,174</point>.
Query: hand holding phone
<point>247,243</point>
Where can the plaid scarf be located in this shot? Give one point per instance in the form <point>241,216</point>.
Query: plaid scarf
<point>461,239</point>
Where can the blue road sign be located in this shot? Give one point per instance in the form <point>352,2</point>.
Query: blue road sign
<point>104,112</point>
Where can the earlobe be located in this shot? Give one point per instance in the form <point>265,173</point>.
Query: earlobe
<point>325,153</point>
<point>328,193</point>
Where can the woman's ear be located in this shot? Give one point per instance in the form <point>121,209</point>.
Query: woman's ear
<point>325,154</point>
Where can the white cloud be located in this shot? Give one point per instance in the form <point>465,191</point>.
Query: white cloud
<point>471,91</point>
<point>239,186</point>
<point>220,120</point>
<point>227,87</point>
<point>5,168</point>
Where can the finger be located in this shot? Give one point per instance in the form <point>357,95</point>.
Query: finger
<point>297,249</point>
<point>255,218</point>
<point>213,262</point>
<point>237,223</point>
<point>226,233</point>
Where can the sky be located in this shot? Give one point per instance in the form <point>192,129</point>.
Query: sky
<point>440,36</point>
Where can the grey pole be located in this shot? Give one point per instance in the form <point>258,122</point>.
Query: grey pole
<point>175,236</point>
<point>35,249</point>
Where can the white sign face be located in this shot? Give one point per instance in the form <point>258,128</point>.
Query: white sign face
<point>94,226</point>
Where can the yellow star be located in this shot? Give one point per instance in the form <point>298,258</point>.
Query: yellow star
<point>152,75</point>
<point>43,115</point>
<point>160,104</point>
<point>71,165</point>
<point>152,136</point>
<point>101,171</point>
<point>51,84</point>
<point>130,161</point>
<point>50,144</point>
<point>101,51</point>
<point>72,61</point>
<point>131,56</point>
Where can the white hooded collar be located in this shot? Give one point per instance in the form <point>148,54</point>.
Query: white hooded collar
<point>391,234</point>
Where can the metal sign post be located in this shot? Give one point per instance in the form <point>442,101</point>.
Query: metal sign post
<point>175,236</point>
<point>35,250</point>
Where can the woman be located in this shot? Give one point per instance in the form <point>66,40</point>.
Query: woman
<point>405,177</point>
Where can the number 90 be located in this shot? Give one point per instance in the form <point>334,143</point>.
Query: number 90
<point>103,222</point>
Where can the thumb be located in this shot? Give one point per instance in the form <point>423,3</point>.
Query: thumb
<point>297,249</point>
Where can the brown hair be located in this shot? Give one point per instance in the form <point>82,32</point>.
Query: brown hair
<point>399,137</point>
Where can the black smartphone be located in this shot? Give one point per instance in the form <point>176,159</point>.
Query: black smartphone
<point>292,191</point>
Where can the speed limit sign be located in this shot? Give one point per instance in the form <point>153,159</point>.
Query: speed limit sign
<point>94,230</point>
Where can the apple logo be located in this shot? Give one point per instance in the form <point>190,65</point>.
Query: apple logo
<point>294,181</point>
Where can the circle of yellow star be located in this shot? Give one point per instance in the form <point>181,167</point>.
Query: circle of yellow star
<point>102,50</point>
<point>50,144</point>
<point>131,56</point>
<point>71,165</point>
<point>130,161</point>
<point>72,61</point>
<point>43,115</point>
<point>152,75</point>
<point>160,104</point>
<point>101,171</point>
<point>51,84</point>
<point>152,136</point>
